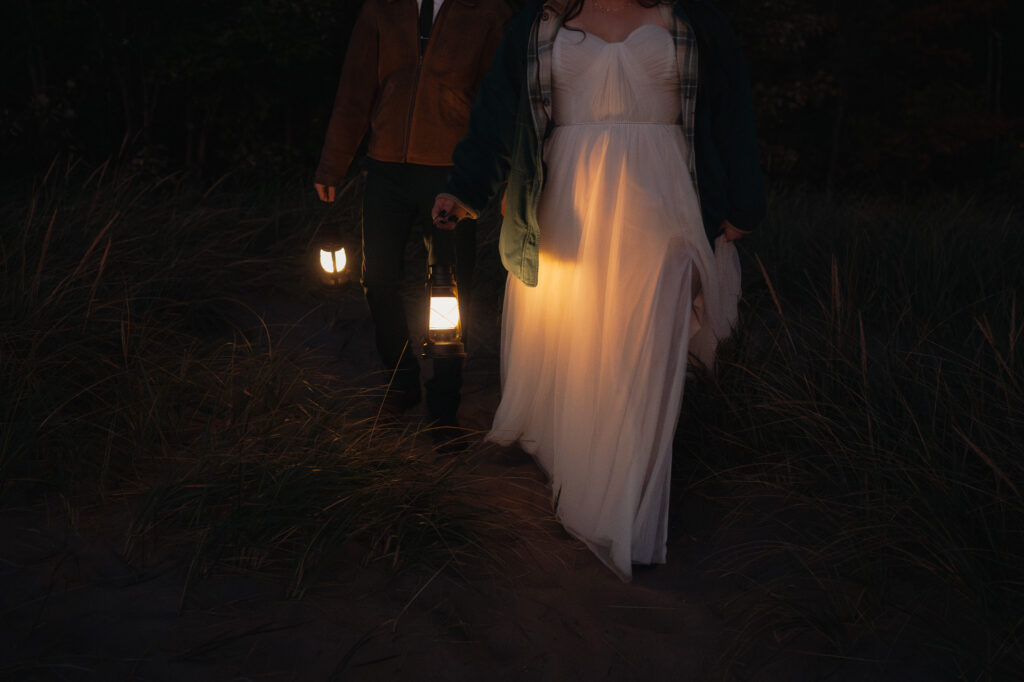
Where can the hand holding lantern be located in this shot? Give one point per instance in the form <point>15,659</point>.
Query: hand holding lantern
<point>447,213</point>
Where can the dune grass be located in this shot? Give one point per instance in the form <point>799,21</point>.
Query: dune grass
<point>861,431</point>
<point>864,433</point>
<point>135,376</point>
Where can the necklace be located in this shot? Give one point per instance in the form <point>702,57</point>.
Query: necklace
<point>606,9</point>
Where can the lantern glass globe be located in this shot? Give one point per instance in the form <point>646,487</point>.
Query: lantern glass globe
<point>332,261</point>
<point>444,312</point>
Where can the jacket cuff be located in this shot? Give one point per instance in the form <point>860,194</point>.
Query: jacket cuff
<point>745,230</point>
<point>327,175</point>
<point>745,223</point>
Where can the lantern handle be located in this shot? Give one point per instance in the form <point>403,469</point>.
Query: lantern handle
<point>441,248</point>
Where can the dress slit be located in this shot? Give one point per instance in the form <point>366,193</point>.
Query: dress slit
<point>594,357</point>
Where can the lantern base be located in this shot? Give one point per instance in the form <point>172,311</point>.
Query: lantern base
<point>331,284</point>
<point>440,351</point>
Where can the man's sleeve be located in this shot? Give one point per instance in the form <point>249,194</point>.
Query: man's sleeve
<point>502,18</point>
<point>482,158</point>
<point>353,104</point>
<point>734,131</point>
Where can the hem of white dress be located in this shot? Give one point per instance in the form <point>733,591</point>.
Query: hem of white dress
<point>600,551</point>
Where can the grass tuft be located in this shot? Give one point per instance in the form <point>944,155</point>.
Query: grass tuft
<point>138,375</point>
<point>863,432</point>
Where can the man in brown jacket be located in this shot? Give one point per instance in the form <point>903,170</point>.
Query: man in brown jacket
<point>410,76</point>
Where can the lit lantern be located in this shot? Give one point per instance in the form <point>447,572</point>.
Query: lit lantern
<point>444,312</point>
<point>334,272</point>
<point>444,324</point>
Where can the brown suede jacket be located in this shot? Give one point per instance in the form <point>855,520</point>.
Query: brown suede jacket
<point>416,108</point>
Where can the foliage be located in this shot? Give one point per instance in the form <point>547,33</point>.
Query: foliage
<point>136,375</point>
<point>863,436</point>
<point>910,92</point>
<point>907,93</point>
<point>211,86</point>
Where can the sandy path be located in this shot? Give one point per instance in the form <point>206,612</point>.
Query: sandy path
<point>73,609</point>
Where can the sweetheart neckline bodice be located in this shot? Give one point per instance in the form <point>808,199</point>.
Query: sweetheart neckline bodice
<point>617,42</point>
<point>633,80</point>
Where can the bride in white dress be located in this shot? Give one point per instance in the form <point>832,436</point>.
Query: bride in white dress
<point>594,356</point>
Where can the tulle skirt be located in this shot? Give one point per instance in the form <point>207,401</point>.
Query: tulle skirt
<point>594,357</point>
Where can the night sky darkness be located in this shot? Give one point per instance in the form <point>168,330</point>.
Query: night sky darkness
<point>893,94</point>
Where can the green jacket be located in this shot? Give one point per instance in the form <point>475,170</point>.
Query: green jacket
<point>512,116</point>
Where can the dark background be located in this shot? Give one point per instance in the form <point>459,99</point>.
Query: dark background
<point>869,94</point>
<point>181,402</point>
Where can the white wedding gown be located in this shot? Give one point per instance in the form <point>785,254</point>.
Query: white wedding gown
<point>594,357</point>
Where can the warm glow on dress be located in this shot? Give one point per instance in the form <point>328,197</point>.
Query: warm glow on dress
<point>444,312</point>
<point>332,261</point>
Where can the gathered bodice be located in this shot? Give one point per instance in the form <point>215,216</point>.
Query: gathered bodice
<point>634,80</point>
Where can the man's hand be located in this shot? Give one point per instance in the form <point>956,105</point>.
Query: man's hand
<point>325,192</point>
<point>446,213</point>
<point>731,232</point>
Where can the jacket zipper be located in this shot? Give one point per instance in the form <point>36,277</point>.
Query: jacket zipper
<point>412,108</point>
<point>421,51</point>
<point>416,86</point>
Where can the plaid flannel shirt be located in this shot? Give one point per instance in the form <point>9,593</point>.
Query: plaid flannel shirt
<point>538,68</point>
<point>513,116</point>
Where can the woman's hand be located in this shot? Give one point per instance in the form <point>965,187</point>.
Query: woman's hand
<point>325,192</point>
<point>731,232</point>
<point>447,213</point>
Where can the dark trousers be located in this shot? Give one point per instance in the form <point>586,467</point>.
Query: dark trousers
<point>397,199</point>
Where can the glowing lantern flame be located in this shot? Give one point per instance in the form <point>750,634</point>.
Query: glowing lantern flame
<point>332,261</point>
<point>444,328</point>
<point>444,312</point>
